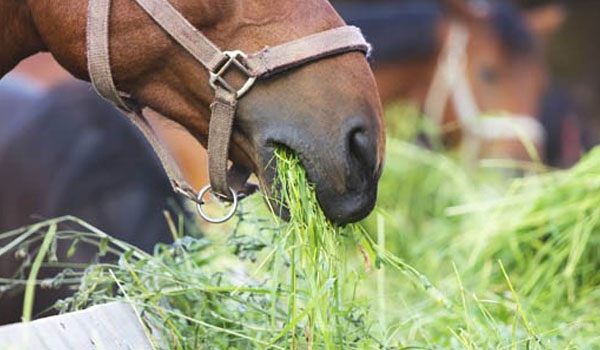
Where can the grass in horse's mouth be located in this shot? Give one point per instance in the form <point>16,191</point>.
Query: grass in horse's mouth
<point>288,172</point>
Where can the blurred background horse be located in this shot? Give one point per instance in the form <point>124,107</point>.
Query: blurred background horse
<point>476,69</point>
<point>67,152</point>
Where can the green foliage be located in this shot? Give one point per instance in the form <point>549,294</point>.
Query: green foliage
<point>518,259</point>
<point>450,259</point>
<point>269,284</point>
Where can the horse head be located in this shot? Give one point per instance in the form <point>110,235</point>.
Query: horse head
<point>505,72</point>
<point>328,112</point>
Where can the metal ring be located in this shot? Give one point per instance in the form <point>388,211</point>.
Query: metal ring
<point>207,218</point>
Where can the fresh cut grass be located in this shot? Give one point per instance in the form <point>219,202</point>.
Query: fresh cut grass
<point>450,259</point>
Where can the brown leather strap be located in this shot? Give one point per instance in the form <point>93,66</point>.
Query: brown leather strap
<point>98,52</point>
<point>219,134</point>
<point>273,60</point>
<point>176,177</point>
<point>102,80</point>
<point>173,22</point>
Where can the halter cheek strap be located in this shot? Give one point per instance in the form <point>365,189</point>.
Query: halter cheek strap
<point>267,62</point>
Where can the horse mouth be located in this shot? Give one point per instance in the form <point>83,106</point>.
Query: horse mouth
<point>344,207</point>
<point>267,176</point>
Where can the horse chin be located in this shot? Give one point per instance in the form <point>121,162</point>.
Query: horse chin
<point>348,207</point>
<point>355,203</point>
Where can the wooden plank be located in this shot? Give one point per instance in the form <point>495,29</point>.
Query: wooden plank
<point>113,326</point>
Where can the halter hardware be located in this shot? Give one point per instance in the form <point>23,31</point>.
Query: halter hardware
<point>232,58</point>
<point>200,202</point>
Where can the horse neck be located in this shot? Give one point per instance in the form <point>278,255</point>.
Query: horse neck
<point>18,35</point>
<point>399,31</point>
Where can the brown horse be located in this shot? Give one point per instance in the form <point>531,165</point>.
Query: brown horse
<point>460,62</point>
<point>328,112</point>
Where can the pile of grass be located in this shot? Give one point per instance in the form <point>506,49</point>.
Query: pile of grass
<point>450,259</point>
<point>546,230</point>
<point>554,224</point>
<point>266,284</point>
<point>516,258</point>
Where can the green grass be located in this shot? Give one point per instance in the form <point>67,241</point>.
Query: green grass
<point>517,259</point>
<point>450,259</point>
<point>266,284</point>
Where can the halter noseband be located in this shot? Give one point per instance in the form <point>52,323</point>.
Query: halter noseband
<point>267,62</point>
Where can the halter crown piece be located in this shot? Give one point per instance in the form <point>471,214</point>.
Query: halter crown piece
<point>267,62</point>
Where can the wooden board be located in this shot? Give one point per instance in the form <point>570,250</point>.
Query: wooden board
<point>112,326</point>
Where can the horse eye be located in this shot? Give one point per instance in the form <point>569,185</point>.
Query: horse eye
<point>489,75</point>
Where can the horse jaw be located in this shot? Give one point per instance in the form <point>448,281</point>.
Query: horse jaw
<point>18,35</point>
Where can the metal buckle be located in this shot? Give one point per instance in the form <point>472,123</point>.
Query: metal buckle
<point>229,215</point>
<point>232,58</point>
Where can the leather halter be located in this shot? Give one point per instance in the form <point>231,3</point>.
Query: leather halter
<point>267,62</point>
<point>451,84</point>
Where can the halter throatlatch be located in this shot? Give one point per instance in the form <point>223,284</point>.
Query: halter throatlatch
<point>269,61</point>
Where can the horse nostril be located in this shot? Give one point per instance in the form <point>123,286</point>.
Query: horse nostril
<point>361,148</point>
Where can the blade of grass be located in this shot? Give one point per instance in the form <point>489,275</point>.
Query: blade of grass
<point>35,268</point>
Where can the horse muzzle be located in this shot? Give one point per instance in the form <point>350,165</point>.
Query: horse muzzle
<point>344,166</point>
